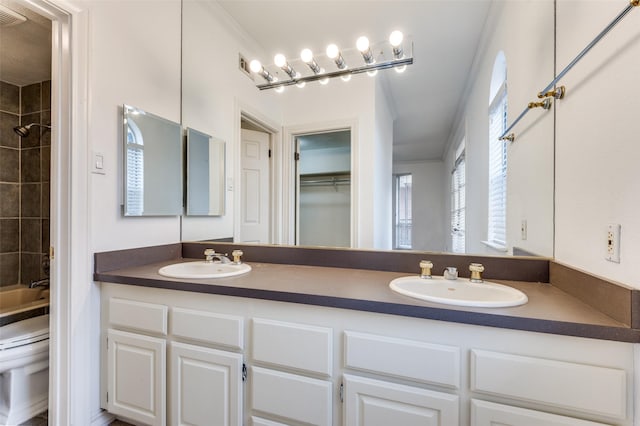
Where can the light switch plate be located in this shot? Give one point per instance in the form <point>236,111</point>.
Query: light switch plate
<point>97,163</point>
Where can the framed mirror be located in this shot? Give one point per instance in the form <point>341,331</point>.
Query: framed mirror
<point>152,164</point>
<point>205,164</point>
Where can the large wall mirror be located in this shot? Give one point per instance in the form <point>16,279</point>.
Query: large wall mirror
<point>153,164</point>
<point>435,110</point>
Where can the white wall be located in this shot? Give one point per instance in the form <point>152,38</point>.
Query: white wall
<point>530,157</point>
<point>383,170</point>
<point>597,140</point>
<point>430,230</point>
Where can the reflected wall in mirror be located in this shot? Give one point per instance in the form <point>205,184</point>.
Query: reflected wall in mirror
<point>205,174</point>
<point>152,164</point>
<point>404,123</point>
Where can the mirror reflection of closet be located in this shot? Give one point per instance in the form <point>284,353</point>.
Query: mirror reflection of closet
<point>205,174</point>
<point>324,189</point>
<point>152,164</point>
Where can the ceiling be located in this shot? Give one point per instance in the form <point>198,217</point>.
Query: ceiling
<point>426,97</point>
<point>25,48</point>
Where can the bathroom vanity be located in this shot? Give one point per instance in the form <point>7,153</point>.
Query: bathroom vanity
<point>295,344</point>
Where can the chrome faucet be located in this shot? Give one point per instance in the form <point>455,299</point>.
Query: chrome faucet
<point>451,273</point>
<point>40,283</point>
<point>210,255</point>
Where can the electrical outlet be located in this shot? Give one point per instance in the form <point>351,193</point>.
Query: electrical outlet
<point>613,243</point>
<point>523,230</point>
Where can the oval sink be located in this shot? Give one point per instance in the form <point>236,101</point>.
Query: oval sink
<point>460,292</point>
<point>201,269</point>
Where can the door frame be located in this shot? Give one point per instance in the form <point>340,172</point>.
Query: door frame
<point>246,112</point>
<point>289,175</point>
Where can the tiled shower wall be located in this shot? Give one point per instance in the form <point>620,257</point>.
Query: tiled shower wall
<point>25,165</point>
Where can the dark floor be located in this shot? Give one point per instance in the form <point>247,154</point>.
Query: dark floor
<point>39,420</point>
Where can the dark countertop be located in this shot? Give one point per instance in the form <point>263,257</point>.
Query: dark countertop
<point>549,310</point>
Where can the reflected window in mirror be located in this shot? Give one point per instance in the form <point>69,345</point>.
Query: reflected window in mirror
<point>497,227</point>
<point>458,203</point>
<point>135,169</point>
<point>402,212</point>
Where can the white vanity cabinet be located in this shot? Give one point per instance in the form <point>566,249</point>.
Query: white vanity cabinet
<point>179,360</point>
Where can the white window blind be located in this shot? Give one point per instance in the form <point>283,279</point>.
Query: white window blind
<point>135,172</point>
<point>403,220</point>
<point>458,181</point>
<point>497,170</point>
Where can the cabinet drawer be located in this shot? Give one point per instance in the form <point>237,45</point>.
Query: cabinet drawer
<point>135,315</point>
<point>580,387</point>
<point>485,413</point>
<point>298,346</point>
<point>371,402</point>
<point>208,327</point>
<point>291,396</point>
<point>406,359</point>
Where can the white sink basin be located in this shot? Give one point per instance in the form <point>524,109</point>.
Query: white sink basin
<point>460,292</point>
<point>202,269</point>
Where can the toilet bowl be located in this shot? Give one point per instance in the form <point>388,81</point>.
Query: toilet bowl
<point>24,369</point>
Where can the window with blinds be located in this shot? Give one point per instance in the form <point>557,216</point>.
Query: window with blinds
<point>458,205</point>
<point>402,212</point>
<point>135,171</point>
<point>497,229</point>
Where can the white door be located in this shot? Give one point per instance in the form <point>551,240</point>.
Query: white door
<point>369,402</point>
<point>136,368</point>
<point>206,386</point>
<point>485,413</point>
<point>255,196</point>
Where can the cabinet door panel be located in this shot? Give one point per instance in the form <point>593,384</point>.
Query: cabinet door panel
<point>206,386</point>
<point>136,368</point>
<point>485,413</point>
<point>369,402</point>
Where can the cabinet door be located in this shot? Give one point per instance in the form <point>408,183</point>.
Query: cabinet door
<point>485,413</point>
<point>369,402</point>
<point>206,386</point>
<point>136,387</point>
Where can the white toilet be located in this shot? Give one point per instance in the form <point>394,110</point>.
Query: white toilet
<point>24,369</point>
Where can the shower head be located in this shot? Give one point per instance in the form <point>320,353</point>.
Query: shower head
<point>23,131</point>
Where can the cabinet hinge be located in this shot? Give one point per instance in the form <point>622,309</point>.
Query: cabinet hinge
<point>269,152</point>
<point>341,392</point>
<point>107,396</point>
<point>244,372</point>
<point>296,156</point>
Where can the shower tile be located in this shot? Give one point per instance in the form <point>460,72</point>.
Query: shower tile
<point>30,235</point>
<point>31,98</point>
<point>30,200</point>
<point>45,161</point>
<point>9,235</point>
<point>46,236</point>
<point>30,165</point>
<point>46,94</point>
<point>8,137</point>
<point>45,134</point>
<point>10,196</point>
<point>9,97</point>
<point>33,139</point>
<point>46,200</point>
<point>9,165</point>
<point>30,267</point>
<point>9,269</point>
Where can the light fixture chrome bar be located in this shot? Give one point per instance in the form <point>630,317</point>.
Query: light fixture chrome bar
<point>600,36</point>
<point>375,66</point>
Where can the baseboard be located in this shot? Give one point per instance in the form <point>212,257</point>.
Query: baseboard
<point>103,419</point>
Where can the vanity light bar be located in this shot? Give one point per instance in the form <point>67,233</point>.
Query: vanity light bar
<point>397,52</point>
<point>558,92</point>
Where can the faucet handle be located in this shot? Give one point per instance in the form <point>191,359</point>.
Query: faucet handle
<point>208,255</point>
<point>425,266</point>
<point>476,272</point>
<point>236,256</point>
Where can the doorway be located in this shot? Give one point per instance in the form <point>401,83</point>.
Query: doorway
<point>323,188</point>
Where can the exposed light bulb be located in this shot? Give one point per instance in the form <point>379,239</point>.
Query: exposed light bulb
<point>332,51</point>
<point>255,66</point>
<point>323,80</point>
<point>346,77</point>
<point>280,60</point>
<point>400,69</point>
<point>278,89</point>
<point>362,44</point>
<point>306,55</point>
<point>300,84</point>
<point>396,37</point>
<point>372,73</point>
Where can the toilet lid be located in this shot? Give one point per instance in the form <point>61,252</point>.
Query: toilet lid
<point>24,332</point>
